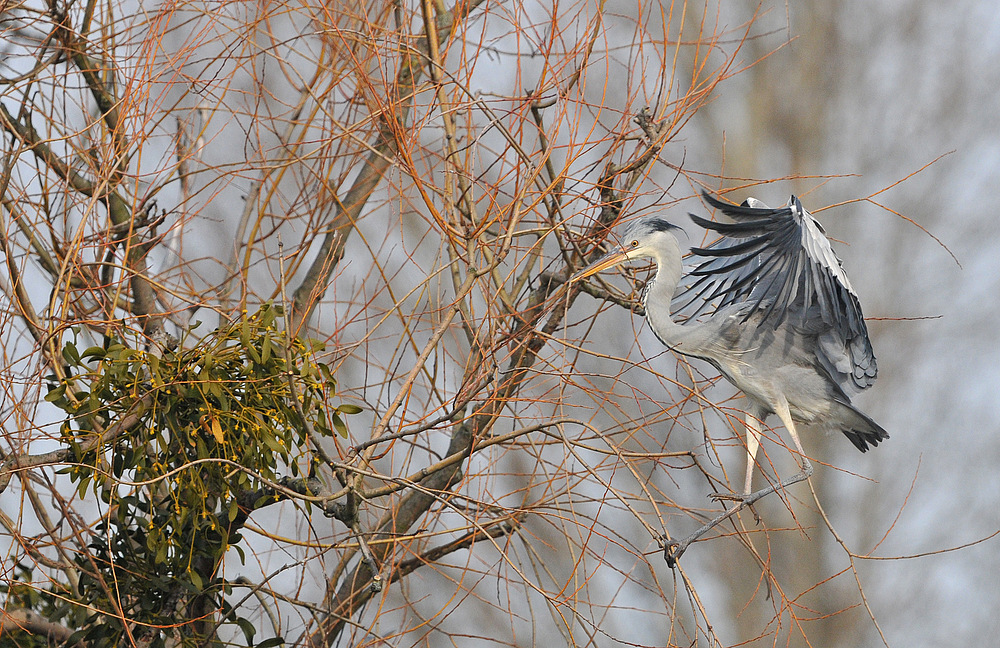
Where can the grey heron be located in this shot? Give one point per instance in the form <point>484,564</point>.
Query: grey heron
<point>781,323</point>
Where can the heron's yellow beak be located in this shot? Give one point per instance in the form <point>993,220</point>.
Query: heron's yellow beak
<point>609,260</point>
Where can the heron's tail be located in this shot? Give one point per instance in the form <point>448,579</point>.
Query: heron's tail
<point>860,428</point>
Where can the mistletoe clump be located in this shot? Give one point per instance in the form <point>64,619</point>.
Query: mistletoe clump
<point>183,445</point>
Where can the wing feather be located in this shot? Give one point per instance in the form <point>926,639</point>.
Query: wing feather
<point>781,263</point>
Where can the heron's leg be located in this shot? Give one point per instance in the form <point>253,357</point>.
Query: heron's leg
<point>752,421</point>
<point>673,549</point>
<point>753,442</point>
<point>781,409</point>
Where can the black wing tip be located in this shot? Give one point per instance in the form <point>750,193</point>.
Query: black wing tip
<point>864,432</point>
<point>739,228</point>
<point>863,439</point>
<point>744,210</point>
<point>703,222</point>
<point>715,202</point>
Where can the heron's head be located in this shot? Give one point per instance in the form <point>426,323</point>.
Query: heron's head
<point>650,237</point>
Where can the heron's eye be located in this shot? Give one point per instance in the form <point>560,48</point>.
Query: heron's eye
<point>635,243</point>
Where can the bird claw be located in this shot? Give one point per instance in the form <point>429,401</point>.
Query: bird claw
<point>746,499</point>
<point>671,553</point>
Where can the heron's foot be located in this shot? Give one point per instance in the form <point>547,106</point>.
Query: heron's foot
<point>672,550</point>
<point>745,500</point>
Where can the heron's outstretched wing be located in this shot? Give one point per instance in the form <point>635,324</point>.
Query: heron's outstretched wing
<point>780,263</point>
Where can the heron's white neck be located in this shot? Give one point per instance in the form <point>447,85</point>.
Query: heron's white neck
<point>687,339</point>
